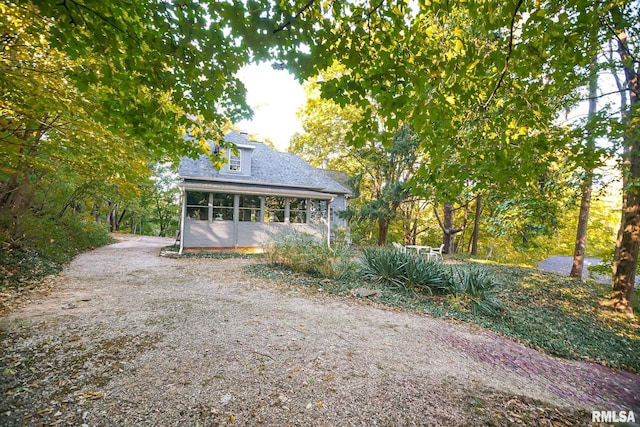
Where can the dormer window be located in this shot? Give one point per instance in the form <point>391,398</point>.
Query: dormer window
<point>234,161</point>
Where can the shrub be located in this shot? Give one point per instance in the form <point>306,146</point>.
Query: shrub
<point>392,268</point>
<point>476,285</point>
<point>472,286</point>
<point>305,253</point>
<point>36,245</point>
<point>423,275</point>
<point>384,266</point>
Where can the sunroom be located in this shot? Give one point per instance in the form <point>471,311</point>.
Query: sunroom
<point>218,216</point>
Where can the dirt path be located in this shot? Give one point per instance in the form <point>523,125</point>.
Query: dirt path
<point>129,338</point>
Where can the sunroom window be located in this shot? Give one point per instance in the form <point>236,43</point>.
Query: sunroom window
<point>249,208</point>
<point>317,211</point>
<point>198,205</point>
<point>298,211</point>
<point>274,209</point>
<point>222,207</point>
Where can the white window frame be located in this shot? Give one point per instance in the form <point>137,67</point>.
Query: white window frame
<point>235,162</point>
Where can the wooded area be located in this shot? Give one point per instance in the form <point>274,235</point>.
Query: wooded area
<point>450,115</point>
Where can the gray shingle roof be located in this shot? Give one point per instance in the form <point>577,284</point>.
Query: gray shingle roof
<point>268,167</point>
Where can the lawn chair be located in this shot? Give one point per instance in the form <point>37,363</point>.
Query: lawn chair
<point>399,247</point>
<point>435,254</point>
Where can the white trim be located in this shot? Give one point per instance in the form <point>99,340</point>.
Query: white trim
<point>183,195</point>
<point>237,159</point>
<point>227,179</point>
<point>257,191</point>
<point>329,222</point>
<point>240,145</point>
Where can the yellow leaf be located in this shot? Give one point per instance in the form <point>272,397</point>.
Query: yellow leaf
<point>319,404</point>
<point>450,99</point>
<point>459,46</point>
<point>472,66</point>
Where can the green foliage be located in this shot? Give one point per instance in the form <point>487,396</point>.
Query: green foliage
<point>423,275</point>
<point>400,271</point>
<point>475,286</point>
<point>302,252</point>
<point>45,245</point>
<point>384,266</point>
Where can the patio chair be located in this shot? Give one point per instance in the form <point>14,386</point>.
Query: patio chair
<point>399,247</point>
<point>435,254</point>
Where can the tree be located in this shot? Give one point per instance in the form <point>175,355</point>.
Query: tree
<point>625,262</point>
<point>585,202</point>
<point>486,80</point>
<point>390,170</point>
<point>95,92</point>
<point>325,124</point>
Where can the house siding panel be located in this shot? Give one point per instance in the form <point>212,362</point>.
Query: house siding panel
<point>204,234</point>
<point>223,234</point>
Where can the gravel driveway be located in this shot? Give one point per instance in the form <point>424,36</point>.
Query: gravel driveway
<point>128,338</point>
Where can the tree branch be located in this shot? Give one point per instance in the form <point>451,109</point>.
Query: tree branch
<point>606,94</point>
<point>103,18</point>
<point>435,211</point>
<point>621,43</point>
<point>287,24</point>
<point>508,57</point>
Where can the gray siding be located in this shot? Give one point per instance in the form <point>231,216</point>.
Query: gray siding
<point>205,234</point>
<point>227,234</point>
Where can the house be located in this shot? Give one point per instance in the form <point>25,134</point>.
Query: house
<point>257,193</point>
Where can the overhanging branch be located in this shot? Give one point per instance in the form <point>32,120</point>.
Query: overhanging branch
<point>300,12</point>
<point>508,57</point>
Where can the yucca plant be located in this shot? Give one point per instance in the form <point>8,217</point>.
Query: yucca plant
<point>384,266</point>
<point>423,275</point>
<point>477,286</point>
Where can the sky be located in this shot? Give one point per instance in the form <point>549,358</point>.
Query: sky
<point>275,97</point>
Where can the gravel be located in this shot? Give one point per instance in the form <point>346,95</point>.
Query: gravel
<point>125,337</point>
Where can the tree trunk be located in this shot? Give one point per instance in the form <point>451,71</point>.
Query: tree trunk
<point>112,217</point>
<point>476,226</point>
<point>581,234</point>
<point>383,229</point>
<point>580,248</point>
<point>624,265</point>
<point>119,222</point>
<point>447,238</point>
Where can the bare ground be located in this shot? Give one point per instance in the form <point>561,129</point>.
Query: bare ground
<point>127,338</point>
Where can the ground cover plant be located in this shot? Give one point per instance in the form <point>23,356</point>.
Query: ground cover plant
<point>552,314</point>
<point>45,245</point>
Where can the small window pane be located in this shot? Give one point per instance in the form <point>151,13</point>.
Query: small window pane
<point>274,209</point>
<point>197,198</point>
<point>249,208</point>
<point>234,162</point>
<point>318,211</point>
<point>298,211</point>
<point>198,213</point>
<point>222,207</point>
<point>197,205</point>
